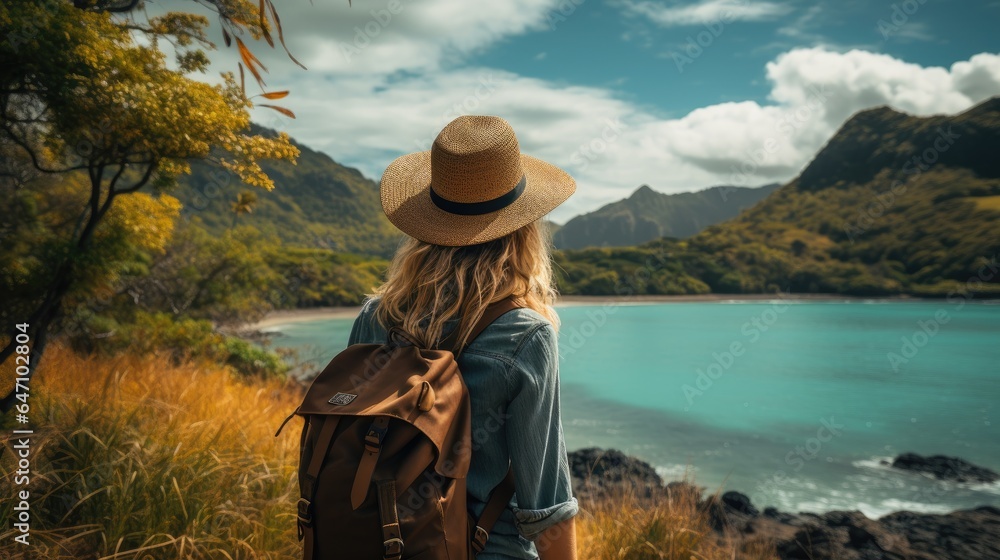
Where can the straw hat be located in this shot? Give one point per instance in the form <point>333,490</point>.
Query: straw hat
<point>473,186</point>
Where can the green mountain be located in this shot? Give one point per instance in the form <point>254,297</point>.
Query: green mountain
<point>893,204</point>
<point>648,215</point>
<point>315,203</point>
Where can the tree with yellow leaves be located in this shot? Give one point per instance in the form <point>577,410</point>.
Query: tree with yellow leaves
<point>87,108</point>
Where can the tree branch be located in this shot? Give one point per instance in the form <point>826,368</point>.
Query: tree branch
<point>34,158</point>
<point>142,181</point>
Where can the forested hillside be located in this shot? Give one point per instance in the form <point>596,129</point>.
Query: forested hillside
<point>315,203</point>
<point>893,204</point>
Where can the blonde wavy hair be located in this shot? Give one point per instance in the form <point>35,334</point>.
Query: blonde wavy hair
<point>427,285</point>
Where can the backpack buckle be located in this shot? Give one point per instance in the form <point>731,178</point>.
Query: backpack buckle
<point>393,548</point>
<point>305,512</point>
<point>479,539</point>
<point>374,437</point>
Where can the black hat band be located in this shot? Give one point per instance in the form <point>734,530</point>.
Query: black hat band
<point>477,208</point>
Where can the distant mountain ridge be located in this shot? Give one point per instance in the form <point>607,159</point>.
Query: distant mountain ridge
<point>321,203</point>
<point>647,215</point>
<point>315,203</point>
<point>892,204</point>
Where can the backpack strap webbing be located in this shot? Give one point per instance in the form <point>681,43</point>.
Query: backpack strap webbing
<point>392,539</point>
<point>307,483</point>
<point>492,313</point>
<point>495,504</point>
<point>366,467</point>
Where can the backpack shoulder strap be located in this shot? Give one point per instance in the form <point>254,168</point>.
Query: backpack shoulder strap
<point>492,313</point>
<point>495,504</point>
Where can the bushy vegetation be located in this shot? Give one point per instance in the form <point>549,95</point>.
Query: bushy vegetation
<point>179,304</point>
<point>236,276</point>
<point>142,459</point>
<point>175,340</point>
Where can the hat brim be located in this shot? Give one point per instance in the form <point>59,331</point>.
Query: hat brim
<point>406,200</point>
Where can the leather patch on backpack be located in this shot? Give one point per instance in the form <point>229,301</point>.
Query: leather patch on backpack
<point>342,399</point>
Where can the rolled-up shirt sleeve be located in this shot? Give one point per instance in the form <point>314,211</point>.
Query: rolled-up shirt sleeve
<point>543,487</point>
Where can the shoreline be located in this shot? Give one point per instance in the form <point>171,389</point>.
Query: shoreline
<point>565,301</point>
<point>286,316</point>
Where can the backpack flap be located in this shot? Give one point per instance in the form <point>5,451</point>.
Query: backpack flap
<point>420,387</point>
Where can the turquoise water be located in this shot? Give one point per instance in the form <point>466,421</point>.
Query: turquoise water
<point>792,403</point>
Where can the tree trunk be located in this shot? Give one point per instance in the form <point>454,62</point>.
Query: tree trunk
<point>41,320</point>
<point>40,336</point>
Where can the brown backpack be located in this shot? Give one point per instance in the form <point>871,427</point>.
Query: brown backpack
<point>384,452</point>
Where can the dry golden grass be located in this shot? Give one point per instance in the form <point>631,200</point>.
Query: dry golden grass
<point>986,202</point>
<point>672,527</point>
<point>138,459</point>
<point>135,459</point>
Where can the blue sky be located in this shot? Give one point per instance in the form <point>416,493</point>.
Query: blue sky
<point>613,45</point>
<point>678,95</point>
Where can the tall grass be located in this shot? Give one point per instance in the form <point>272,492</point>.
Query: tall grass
<point>135,458</point>
<point>673,526</point>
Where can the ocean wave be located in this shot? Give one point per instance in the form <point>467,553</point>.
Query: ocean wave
<point>873,463</point>
<point>674,472</point>
<point>892,505</point>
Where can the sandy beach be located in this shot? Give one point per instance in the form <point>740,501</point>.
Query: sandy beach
<point>286,316</point>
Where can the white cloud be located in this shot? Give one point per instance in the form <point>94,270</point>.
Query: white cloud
<point>366,113</point>
<point>979,78</point>
<point>858,79</point>
<point>367,120</point>
<point>705,11</point>
<point>383,36</point>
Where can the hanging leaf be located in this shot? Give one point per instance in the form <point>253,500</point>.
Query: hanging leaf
<point>264,26</point>
<point>249,59</point>
<point>276,94</point>
<point>225,37</point>
<point>281,110</point>
<point>249,56</point>
<point>243,85</point>
<point>281,34</point>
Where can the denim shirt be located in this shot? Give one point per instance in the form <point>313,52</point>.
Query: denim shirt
<point>512,372</point>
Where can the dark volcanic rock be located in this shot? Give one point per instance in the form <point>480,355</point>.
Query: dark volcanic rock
<point>945,468</point>
<point>732,511</point>
<point>739,503</point>
<point>836,535</point>
<point>968,534</point>
<point>601,473</point>
<point>847,535</point>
